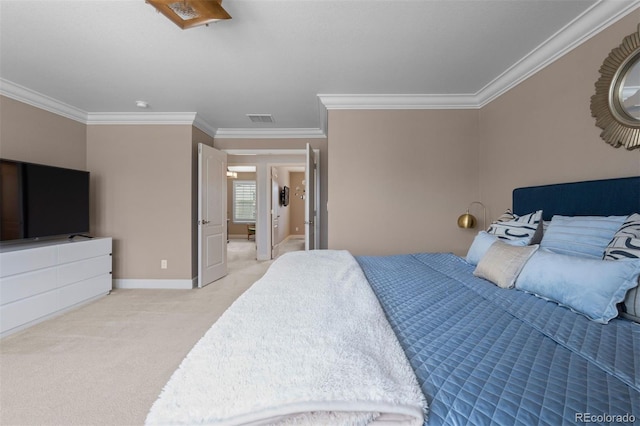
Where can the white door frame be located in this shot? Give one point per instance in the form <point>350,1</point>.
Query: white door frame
<point>311,199</point>
<point>274,213</point>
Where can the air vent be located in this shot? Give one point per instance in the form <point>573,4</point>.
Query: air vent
<point>260,118</point>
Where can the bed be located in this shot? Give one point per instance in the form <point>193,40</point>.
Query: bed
<point>434,338</point>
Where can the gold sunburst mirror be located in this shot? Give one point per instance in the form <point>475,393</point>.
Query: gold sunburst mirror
<point>616,103</point>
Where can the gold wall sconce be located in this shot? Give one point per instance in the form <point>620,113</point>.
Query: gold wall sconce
<point>468,220</point>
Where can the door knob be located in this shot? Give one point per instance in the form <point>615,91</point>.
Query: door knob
<point>204,222</point>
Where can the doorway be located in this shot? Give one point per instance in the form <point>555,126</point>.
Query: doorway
<point>287,208</point>
<point>242,201</point>
<point>264,160</point>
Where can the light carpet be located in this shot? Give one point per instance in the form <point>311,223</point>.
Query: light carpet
<point>106,362</point>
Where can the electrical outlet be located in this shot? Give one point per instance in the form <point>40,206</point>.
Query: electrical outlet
<point>163,264</point>
<point>296,229</point>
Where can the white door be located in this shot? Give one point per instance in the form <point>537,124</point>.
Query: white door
<point>212,214</point>
<point>275,213</point>
<point>310,207</point>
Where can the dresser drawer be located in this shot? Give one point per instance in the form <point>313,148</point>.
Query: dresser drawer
<point>44,278</point>
<point>27,310</point>
<point>81,291</point>
<point>19,261</point>
<point>20,286</point>
<point>69,273</point>
<point>78,250</point>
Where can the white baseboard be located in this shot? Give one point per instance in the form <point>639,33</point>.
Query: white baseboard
<point>156,284</point>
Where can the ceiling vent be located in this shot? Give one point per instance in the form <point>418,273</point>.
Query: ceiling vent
<point>260,118</point>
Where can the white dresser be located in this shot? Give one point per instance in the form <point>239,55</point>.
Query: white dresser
<point>41,279</point>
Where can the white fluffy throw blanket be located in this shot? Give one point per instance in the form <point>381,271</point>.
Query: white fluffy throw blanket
<point>307,344</point>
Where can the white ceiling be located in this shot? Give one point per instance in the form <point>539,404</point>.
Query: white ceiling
<point>94,59</point>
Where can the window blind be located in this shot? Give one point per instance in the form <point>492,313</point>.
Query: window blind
<point>244,201</point>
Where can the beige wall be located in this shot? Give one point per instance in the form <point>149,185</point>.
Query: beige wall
<point>31,134</point>
<point>142,186</point>
<point>296,218</point>
<point>542,131</point>
<point>142,178</point>
<point>392,181</point>
<point>399,179</point>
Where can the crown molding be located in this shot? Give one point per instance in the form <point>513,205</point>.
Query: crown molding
<point>38,100</point>
<point>591,22</point>
<point>110,118</point>
<point>204,126</point>
<point>595,19</point>
<point>323,117</point>
<point>276,133</point>
<point>396,101</point>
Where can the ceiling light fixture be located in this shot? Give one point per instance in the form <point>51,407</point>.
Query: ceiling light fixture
<point>191,13</point>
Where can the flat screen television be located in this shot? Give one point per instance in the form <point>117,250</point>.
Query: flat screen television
<point>38,201</point>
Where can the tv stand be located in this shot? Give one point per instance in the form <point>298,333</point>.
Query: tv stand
<point>41,279</point>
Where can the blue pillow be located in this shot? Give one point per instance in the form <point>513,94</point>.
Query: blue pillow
<point>592,287</point>
<point>585,236</point>
<point>483,241</point>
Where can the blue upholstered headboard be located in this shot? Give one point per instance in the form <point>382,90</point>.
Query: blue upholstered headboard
<point>608,197</point>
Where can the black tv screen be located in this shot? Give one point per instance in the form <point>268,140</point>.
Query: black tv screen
<point>39,201</point>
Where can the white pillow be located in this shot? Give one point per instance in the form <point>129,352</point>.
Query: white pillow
<point>625,243</point>
<point>520,227</point>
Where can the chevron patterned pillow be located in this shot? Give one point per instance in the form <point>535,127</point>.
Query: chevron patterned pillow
<point>510,226</point>
<point>626,245</point>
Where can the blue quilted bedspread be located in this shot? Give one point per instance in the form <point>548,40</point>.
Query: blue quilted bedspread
<point>486,355</point>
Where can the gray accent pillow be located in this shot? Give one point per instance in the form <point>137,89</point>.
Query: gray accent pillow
<point>503,262</point>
